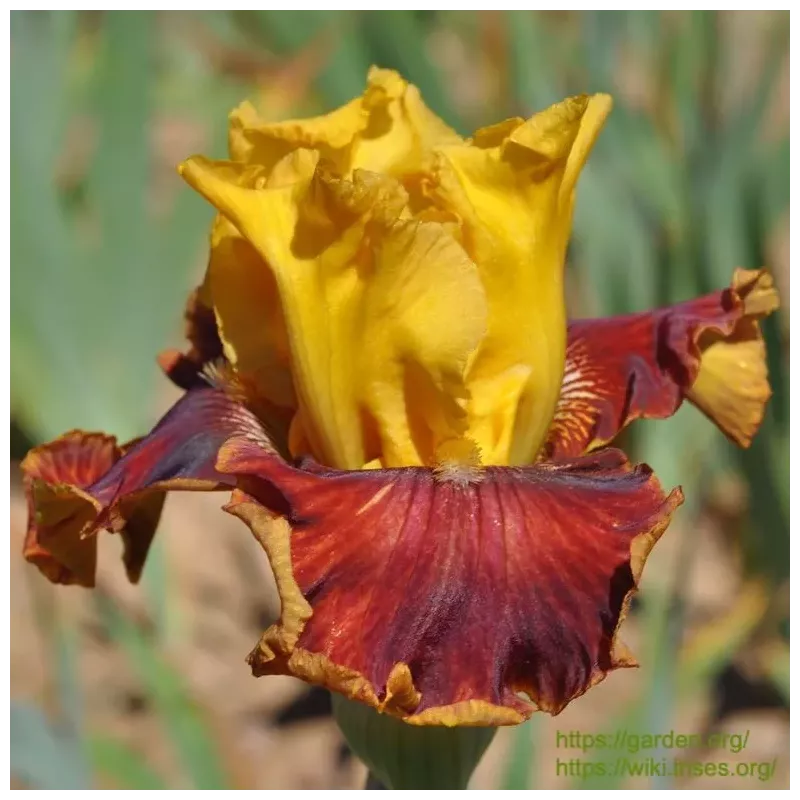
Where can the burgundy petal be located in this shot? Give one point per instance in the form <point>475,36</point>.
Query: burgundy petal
<point>439,595</point>
<point>84,481</point>
<point>707,350</point>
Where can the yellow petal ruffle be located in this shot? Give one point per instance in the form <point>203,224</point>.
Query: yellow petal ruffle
<point>397,286</point>
<point>377,348</point>
<point>513,189</point>
<point>389,129</point>
<point>732,386</point>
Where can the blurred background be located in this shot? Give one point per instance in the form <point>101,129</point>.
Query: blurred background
<point>146,687</point>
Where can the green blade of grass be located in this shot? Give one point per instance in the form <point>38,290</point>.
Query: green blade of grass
<point>776,666</point>
<point>48,385</point>
<point>122,765</point>
<point>122,272</point>
<point>617,261</point>
<point>519,772</point>
<point>601,32</point>
<point>705,655</point>
<point>531,53</point>
<point>726,184</point>
<point>182,718</point>
<point>692,58</point>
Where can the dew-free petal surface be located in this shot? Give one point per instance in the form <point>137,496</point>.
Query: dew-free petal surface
<point>83,482</point>
<point>709,351</point>
<point>512,188</point>
<point>439,595</point>
<point>377,344</point>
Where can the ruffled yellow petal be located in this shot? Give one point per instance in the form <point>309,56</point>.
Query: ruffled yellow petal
<point>389,129</point>
<point>732,386</point>
<point>513,189</point>
<point>253,141</point>
<point>299,238</point>
<point>419,340</point>
<point>253,334</point>
<point>402,130</point>
<point>378,350</point>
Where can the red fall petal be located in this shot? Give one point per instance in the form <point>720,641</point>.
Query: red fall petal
<point>439,596</point>
<point>82,482</point>
<point>709,351</point>
<point>56,475</point>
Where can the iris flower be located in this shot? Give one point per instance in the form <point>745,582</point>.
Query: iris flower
<point>381,372</point>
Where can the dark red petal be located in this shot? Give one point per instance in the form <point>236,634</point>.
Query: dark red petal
<point>55,475</point>
<point>200,325</point>
<point>84,481</point>
<point>438,596</point>
<point>707,350</point>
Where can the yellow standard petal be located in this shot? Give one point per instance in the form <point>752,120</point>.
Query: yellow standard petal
<point>336,232</point>
<point>389,129</point>
<point>378,349</point>
<point>513,189</point>
<point>253,334</point>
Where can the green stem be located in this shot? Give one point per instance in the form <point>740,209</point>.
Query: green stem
<point>403,756</point>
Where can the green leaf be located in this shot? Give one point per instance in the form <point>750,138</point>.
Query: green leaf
<point>644,30</point>
<point>601,33</point>
<point>41,60</point>
<point>766,467</point>
<point>772,175</point>
<point>653,711</point>
<point>69,692</point>
<point>45,370</point>
<point>742,130</point>
<point>692,52</point>
<point>519,769</point>
<point>122,272</point>
<point>124,766</point>
<point>616,260</point>
<point>731,179</point>
<point>98,285</point>
<point>181,237</point>
<point>638,154</point>
<point>629,720</point>
<point>712,647</point>
<point>668,446</point>
<point>777,667</point>
<point>185,724</point>
<point>531,57</point>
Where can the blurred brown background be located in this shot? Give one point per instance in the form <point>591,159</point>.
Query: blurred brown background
<point>146,687</point>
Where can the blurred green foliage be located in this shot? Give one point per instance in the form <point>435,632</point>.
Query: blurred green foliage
<point>688,181</point>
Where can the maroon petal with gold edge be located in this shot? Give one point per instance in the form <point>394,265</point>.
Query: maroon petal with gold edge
<point>83,482</point>
<point>439,596</point>
<point>709,351</point>
<point>55,476</point>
